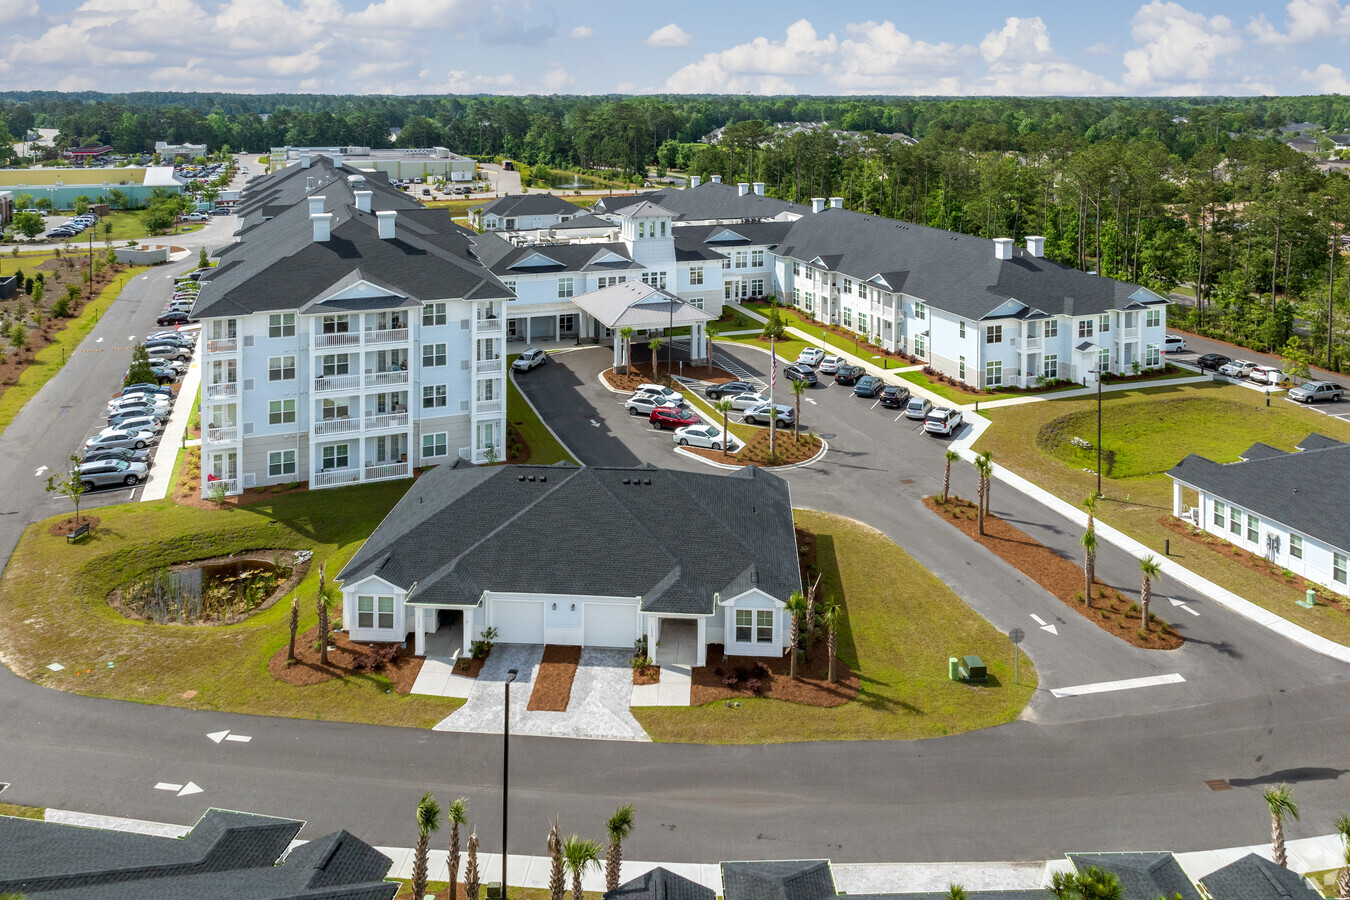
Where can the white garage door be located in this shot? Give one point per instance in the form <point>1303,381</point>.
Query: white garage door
<point>609,625</point>
<point>519,621</point>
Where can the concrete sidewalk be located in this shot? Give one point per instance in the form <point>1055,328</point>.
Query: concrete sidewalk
<point>158,485</point>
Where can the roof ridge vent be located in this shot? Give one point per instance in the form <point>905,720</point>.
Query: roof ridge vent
<point>532,478</point>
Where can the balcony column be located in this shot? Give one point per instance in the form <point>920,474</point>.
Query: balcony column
<point>618,350</point>
<point>1176,499</point>
<point>527,329</point>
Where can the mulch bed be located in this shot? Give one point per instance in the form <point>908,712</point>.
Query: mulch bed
<point>755,452</point>
<point>517,450</point>
<point>342,662</point>
<point>647,675</point>
<point>638,374</point>
<point>863,347</point>
<point>188,490</point>
<point>470,667</point>
<point>68,525</point>
<point>811,686</point>
<point>553,682</point>
<point>1111,611</point>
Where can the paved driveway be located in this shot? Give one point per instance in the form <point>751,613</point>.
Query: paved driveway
<point>598,709</point>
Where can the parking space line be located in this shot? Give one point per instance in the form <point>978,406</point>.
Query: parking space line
<point>1104,687</point>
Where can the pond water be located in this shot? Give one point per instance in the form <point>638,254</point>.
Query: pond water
<point>572,182</point>
<point>197,578</point>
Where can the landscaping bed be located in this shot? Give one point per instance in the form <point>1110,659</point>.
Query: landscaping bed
<point>647,674</point>
<point>741,677</point>
<point>345,660</point>
<point>755,450</point>
<point>835,335</point>
<point>1111,611</point>
<point>69,525</point>
<point>470,668</point>
<point>553,681</point>
<point>187,491</point>
<point>639,374</point>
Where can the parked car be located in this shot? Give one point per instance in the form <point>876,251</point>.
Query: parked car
<point>169,343</point>
<point>195,217</point>
<point>173,318</point>
<point>124,454</point>
<point>660,390</point>
<point>765,412</point>
<point>894,397</point>
<point>749,399</point>
<point>139,406</point>
<point>146,389</point>
<point>107,472</point>
<point>830,364</point>
<point>1237,368</point>
<point>1315,391</point>
<point>158,352</point>
<point>1173,343</point>
<point>1268,375</point>
<point>847,374</point>
<point>718,391</point>
<point>1213,361</point>
<point>528,359</point>
<point>671,417</point>
<point>917,408</point>
<point>643,404</point>
<point>801,373</point>
<point>868,386</point>
<point>709,436</point>
<point>811,356</point>
<point>942,420</point>
<point>114,437</point>
<point>136,421</point>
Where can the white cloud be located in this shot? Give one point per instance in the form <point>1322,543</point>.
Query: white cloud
<point>1327,79</point>
<point>1179,49</point>
<point>880,58</point>
<point>1305,20</point>
<point>1101,48</point>
<point>758,67</point>
<point>17,10</point>
<point>556,79</point>
<point>1021,62</point>
<point>670,35</point>
<point>582,31</point>
<point>1019,40</point>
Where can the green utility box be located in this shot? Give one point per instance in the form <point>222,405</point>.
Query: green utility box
<point>1309,599</point>
<point>494,890</point>
<point>973,671</point>
<point>953,668</point>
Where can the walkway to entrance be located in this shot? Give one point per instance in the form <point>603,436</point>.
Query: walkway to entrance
<point>437,676</point>
<point>678,645</point>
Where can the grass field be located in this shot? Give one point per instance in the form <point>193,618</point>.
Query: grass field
<point>457,208</point>
<point>902,624</point>
<point>544,447</point>
<point>1150,430</point>
<point>22,812</point>
<point>53,596</point>
<point>787,349</point>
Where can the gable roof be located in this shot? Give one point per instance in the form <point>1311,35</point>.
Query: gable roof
<point>504,257</point>
<point>740,234</point>
<point>673,538</point>
<point>1255,878</point>
<point>536,204</point>
<point>778,880</point>
<point>709,202</point>
<point>1144,876</point>
<point>1286,488</point>
<point>660,884</point>
<point>639,305</point>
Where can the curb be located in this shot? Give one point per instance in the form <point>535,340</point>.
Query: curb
<point>824,446</point>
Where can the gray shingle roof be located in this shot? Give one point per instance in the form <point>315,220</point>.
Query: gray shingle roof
<point>500,255</point>
<point>1317,441</point>
<point>1144,876</point>
<point>1288,488</point>
<point>1255,878</point>
<point>1038,894</point>
<point>588,220</point>
<point>673,538</point>
<point>752,233</point>
<point>530,205</point>
<point>777,880</point>
<point>660,884</point>
<point>1261,451</point>
<point>708,202</point>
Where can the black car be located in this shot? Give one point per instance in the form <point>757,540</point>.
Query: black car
<point>1213,361</point>
<point>801,373</point>
<point>894,397</point>
<point>173,317</point>
<point>729,389</point>
<point>125,454</point>
<point>868,386</point>
<point>848,374</point>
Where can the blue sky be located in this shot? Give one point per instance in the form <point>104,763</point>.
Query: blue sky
<point>781,47</point>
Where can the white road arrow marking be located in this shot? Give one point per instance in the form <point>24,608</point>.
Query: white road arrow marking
<point>1176,602</point>
<point>98,340</point>
<point>38,473</point>
<point>809,400</point>
<point>166,786</point>
<point>1051,629</point>
<point>1039,620</point>
<point>241,738</point>
<point>189,788</point>
<point>218,736</point>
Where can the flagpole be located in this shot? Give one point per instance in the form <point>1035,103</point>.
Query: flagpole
<point>773,380</point>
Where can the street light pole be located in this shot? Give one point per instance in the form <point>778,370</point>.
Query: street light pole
<point>506,768</point>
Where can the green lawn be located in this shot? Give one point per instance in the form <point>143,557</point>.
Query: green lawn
<point>1150,430</point>
<point>704,406</point>
<point>947,392</point>
<point>786,349</point>
<point>22,812</point>
<point>902,624</point>
<point>544,447</point>
<point>53,599</point>
<point>127,225</point>
<point>457,208</point>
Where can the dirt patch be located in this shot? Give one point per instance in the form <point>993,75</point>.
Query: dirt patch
<point>646,674</point>
<point>1111,611</point>
<point>346,660</point>
<point>806,553</point>
<point>739,677</point>
<point>470,667</point>
<point>755,452</point>
<point>68,525</point>
<point>639,374</point>
<point>553,682</point>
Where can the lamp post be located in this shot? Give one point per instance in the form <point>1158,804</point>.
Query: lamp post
<point>506,767</point>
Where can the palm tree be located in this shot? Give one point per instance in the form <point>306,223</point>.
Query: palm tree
<point>626,339</point>
<point>557,884</point>
<point>1151,568</point>
<point>1090,504</point>
<point>579,854</point>
<point>1090,884</point>
<point>328,595</point>
<point>951,456</point>
<point>619,827</point>
<point>428,820</point>
<point>988,456</point>
<point>1343,880</point>
<point>796,608</point>
<point>1280,800</point>
<point>956,892</point>
<point>655,345</point>
<point>456,814</point>
<point>724,407</point>
<point>1089,542</point>
<point>295,624</point>
<point>829,617</point>
<point>798,390</point>
<point>982,467</point>
<point>471,868</point>
<point>811,587</point>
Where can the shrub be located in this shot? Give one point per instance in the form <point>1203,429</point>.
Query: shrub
<point>730,680</point>
<point>480,648</point>
<point>761,670</point>
<point>377,656</point>
<point>755,686</point>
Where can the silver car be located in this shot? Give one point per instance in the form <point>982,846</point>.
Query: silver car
<point>117,437</point>
<point>1312,391</point>
<point>107,472</point>
<point>777,412</point>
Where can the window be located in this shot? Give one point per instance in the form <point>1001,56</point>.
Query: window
<point>742,258</point>
<point>745,620</point>
<point>1104,325</point>
<point>993,334</point>
<point>567,324</point>
<point>993,373</point>
<point>335,457</point>
<point>1152,318</point>
<point>696,302</point>
<point>1051,328</point>
<point>1085,328</point>
<point>921,346</point>
<point>663,228</point>
<point>757,259</point>
<point>281,325</point>
<point>1296,546</point>
<point>921,312</point>
<point>433,395</point>
<point>848,317</point>
<point>848,285</point>
<point>764,623</point>
<point>336,365</point>
<point>655,279</point>
<point>433,355</point>
<point>336,409</point>
<point>1235,520</point>
<point>796,296</point>
<point>695,275</point>
<point>280,368</point>
<point>810,301</point>
<point>1338,567</point>
<point>862,322</point>
<point>366,612</point>
<point>280,462</point>
<point>1253,528</point>
<point>961,368</point>
<point>796,268</point>
<point>1104,361</point>
<point>1218,513</point>
<point>433,314</point>
<point>754,625</point>
<point>756,287</point>
<point>433,445</point>
<point>510,285</point>
<point>961,329</point>
<point>862,292</point>
<point>642,229</point>
<point>336,324</point>
<point>1152,356</point>
<point>280,412</point>
<point>564,288</point>
<point>610,280</point>
<point>1051,369</point>
<point>726,262</point>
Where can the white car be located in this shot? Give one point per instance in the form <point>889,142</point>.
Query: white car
<point>152,400</point>
<point>1267,375</point>
<point>528,359</point>
<point>811,356</point>
<point>643,404</point>
<point>1173,343</point>
<point>116,438</point>
<point>709,436</point>
<point>1238,368</point>
<point>942,420</point>
<point>747,400</point>
<point>830,364</point>
<point>660,390</point>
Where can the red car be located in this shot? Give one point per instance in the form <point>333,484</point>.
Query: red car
<point>672,417</point>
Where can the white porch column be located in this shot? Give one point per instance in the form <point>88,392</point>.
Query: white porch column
<point>420,643</point>
<point>471,623</point>
<point>557,327</point>
<point>527,329</point>
<point>653,636</point>
<point>618,351</point>
<point>702,647</point>
<point>1176,499</point>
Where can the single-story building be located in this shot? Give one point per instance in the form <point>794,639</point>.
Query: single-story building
<point>593,556</point>
<point>524,212</point>
<point>642,307</point>
<point>1275,504</point>
<point>1143,876</point>
<point>1255,878</point>
<point>187,151</point>
<point>87,154</point>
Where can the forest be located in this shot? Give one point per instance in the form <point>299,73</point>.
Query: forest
<point>1194,195</point>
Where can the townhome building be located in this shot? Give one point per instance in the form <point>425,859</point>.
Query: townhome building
<point>525,211</point>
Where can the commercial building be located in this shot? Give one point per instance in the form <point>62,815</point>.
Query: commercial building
<point>424,163</point>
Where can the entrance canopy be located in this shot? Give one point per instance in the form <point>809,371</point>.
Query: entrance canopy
<point>637,305</point>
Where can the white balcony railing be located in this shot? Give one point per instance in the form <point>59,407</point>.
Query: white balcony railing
<point>379,472</point>
<point>222,391</point>
<point>334,477</point>
<point>489,366</point>
<point>1131,334</point>
<point>326,383</point>
<point>222,345</point>
<point>1033,344</point>
<point>386,420</point>
<point>231,486</point>
<point>337,426</point>
<point>222,434</point>
<point>488,326</point>
<point>337,339</point>
<point>383,379</point>
<point>388,336</point>
<point>487,407</point>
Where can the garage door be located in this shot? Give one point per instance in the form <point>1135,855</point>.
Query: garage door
<point>609,625</point>
<point>519,621</point>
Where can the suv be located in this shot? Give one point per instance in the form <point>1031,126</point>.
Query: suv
<point>1213,361</point>
<point>782,415</point>
<point>801,373</point>
<point>894,397</point>
<point>717,391</point>
<point>1312,391</point>
<point>672,417</point>
<point>644,404</point>
<point>105,472</point>
<point>942,420</point>
<point>528,359</point>
<point>122,454</point>
<point>674,398</point>
<point>1237,368</point>
<point>1268,375</point>
<point>868,386</point>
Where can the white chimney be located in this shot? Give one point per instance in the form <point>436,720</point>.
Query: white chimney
<point>716,179</point>
<point>363,200</point>
<point>836,203</point>
<point>387,217</point>
<point>695,180</point>
<point>817,204</point>
<point>742,188</point>
<point>337,159</point>
<point>316,205</point>
<point>1036,245</point>
<point>304,159</point>
<point>1003,248</point>
<point>323,225</point>
<point>759,188</point>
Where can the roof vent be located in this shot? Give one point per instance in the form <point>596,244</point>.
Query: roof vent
<point>647,482</point>
<point>742,188</point>
<point>543,478</point>
<point>627,481</point>
<point>695,180</point>
<point>336,156</point>
<point>759,188</point>
<point>836,203</point>
<point>323,226</point>
<point>531,478</point>
<point>304,159</point>
<point>362,200</point>
<point>309,183</point>
<point>316,205</point>
<point>387,218</point>
<point>520,478</point>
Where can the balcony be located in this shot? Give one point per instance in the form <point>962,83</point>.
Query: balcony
<point>388,336</point>
<point>487,407</point>
<point>386,420</point>
<point>1130,334</point>
<point>1032,344</point>
<point>384,379</point>
<point>337,426</point>
<point>383,471</point>
<point>328,383</point>
<point>488,326</point>
<point>337,339</point>
<point>222,434</point>
<point>335,477</point>
<point>231,486</point>
<point>224,390</point>
<point>490,366</point>
<point>223,345</point>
